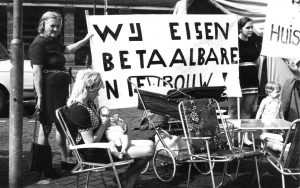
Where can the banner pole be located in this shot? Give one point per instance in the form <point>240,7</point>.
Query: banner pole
<point>238,117</point>
<point>86,18</point>
<point>238,108</point>
<point>94,8</point>
<point>105,7</point>
<point>87,25</point>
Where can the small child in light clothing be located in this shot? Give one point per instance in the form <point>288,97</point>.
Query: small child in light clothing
<point>115,133</point>
<point>270,107</point>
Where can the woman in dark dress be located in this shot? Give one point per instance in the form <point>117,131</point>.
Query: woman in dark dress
<point>249,52</point>
<point>86,126</point>
<point>51,80</point>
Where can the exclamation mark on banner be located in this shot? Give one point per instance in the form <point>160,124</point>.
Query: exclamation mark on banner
<point>224,76</point>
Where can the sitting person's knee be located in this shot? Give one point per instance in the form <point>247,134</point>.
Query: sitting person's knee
<point>272,136</point>
<point>151,149</point>
<point>274,145</point>
<point>148,148</point>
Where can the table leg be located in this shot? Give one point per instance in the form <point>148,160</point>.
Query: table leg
<point>240,145</point>
<point>239,139</point>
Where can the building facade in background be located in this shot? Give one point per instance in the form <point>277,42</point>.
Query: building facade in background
<point>74,23</point>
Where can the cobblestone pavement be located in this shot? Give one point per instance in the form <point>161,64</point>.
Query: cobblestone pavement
<point>132,116</point>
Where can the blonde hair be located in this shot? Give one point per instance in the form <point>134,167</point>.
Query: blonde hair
<point>85,79</point>
<point>271,86</point>
<point>46,16</point>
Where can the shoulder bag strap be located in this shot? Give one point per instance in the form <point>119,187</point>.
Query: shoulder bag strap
<point>36,114</point>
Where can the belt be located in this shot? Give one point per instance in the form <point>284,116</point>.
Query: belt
<point>54,71</point>
<point>247,64</point>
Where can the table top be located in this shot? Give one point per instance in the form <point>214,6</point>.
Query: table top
<point>259,124</point>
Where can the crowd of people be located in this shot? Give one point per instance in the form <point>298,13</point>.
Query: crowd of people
<point>89,124</point>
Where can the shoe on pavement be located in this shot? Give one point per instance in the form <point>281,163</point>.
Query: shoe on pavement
<point>50,173</point>
<point>65,166</point>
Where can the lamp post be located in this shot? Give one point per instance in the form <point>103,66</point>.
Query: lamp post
<point>16,99</point>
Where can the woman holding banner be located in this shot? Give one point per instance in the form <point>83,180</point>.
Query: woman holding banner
<point>249,53</point>
<point>51,81</point>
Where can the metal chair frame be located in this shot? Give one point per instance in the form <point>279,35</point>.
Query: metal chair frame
<point>82,165</point>
<point>289,166</point>
<point>208,156</point>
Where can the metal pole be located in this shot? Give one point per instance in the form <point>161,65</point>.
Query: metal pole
<point>105,7</point>
<point>16,99</point>
<point>94,9</point>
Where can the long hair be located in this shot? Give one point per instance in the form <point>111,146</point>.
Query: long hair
<point>242,22</point>
<point>46,16</point>
<point>85,79</point>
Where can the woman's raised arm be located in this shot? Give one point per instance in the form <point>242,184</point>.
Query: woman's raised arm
<point>73,47</point>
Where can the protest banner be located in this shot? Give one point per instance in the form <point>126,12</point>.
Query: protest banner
<point>282,29</point>
<point>184,50</point>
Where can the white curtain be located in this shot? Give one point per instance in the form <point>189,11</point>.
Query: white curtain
<point>255,9</point>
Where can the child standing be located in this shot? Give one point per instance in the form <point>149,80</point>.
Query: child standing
<point>115,133</point>
<point>270,107</point>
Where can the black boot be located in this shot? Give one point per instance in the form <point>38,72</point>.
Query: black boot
<point>51,173</point>
<point>67,167</point>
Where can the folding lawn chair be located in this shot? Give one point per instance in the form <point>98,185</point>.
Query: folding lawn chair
<point>85,166</point>
<point>287,163</point>
<point>205,141</point>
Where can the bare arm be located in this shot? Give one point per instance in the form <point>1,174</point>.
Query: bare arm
<point>280,113</point>
<point>260,109</point>
<point>73,47</point>
<point>38,82</point>
<point>89,137</point>
<point>100,131</point>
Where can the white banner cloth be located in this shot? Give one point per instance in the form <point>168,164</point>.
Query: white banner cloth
<point>282,31</point>
<point>184,50</point>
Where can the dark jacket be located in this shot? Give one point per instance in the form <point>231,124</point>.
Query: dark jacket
<point>291,99</point>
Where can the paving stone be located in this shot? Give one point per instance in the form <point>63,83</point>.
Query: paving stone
<point>132,117</point>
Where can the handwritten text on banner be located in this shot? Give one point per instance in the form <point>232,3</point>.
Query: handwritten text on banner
<point>282,29</point>
<point>184,50</point>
